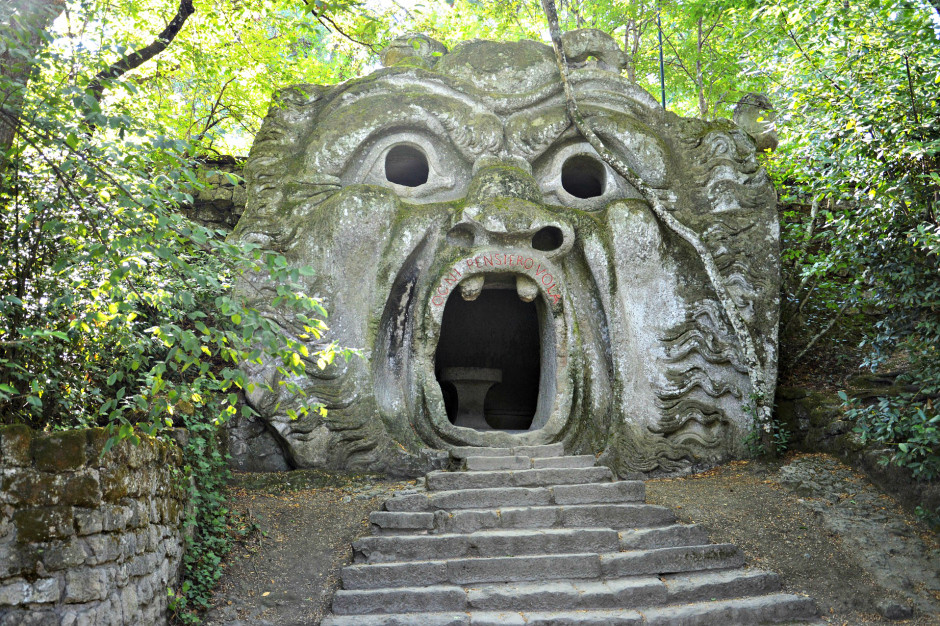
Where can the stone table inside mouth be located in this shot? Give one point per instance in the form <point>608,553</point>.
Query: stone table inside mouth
<point>471,383</point>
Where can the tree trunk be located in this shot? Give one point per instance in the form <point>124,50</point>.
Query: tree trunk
<point>22,23</point>
<point>631,39</point>
<point>699,80</point>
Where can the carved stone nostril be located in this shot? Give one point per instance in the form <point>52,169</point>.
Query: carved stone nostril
<point>548,239</point>
<point>461,236</point>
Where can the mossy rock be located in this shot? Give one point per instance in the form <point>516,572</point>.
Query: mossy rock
<point>14,444</point>
<point>31,488</point>
<point>82,490</point>
<point>42,524</point>
<point>115,483</point>
<point>60,451</point>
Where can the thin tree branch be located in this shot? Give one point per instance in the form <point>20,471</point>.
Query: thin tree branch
<point>910,87</point>
<point>321,18</point>
<point>807,295</point>
<point>810,229</point>
<point>678,62</point>
<point>811,62</point>
<point>136,59</point>
<point>215,106</point>
<point>820,334</point>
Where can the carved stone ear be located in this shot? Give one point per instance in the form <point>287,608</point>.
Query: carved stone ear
<point>756,116</point>
<point>581,45</point>
<point>413,49</point>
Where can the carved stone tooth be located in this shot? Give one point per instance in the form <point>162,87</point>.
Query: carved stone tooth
<point>471,287</point>
<point>526,288</point>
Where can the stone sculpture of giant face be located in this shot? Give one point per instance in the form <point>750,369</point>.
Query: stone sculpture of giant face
<point>506,286</point>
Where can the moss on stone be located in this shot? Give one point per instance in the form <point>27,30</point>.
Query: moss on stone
<point>14,444</point>
<point>82,490</point>
<point>59,452</point>
<point>30,488</point>
<point>96,438</point>
<point>42,524</point>
<point>115,483</point>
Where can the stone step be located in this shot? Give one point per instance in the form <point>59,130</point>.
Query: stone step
<point>485,543</point>
<point>663,537</point>
<point>489,463</point>
<point>597,493</point>
<point>720,584</point>
<point>472,571</point>
<point>776,607</point>
<point>671,560</point>
<point>448,481</point>
<point>521,568</point>
<point>558,594</point>
<point>615,516</point>
<point>463,452</point>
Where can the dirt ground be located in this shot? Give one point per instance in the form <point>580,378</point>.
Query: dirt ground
<point>822,527</point>
<point>852,548</point>
<point>287,573</point>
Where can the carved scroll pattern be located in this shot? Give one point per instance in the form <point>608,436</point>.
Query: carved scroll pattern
<point>694,348</point>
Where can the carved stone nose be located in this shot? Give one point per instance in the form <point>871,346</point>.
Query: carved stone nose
<point>504,207</point>
<point>503,181</point>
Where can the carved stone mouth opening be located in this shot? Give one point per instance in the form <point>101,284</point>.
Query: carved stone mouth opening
<point>490,354</point>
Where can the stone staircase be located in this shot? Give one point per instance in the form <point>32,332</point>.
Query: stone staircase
<point>529,536</point>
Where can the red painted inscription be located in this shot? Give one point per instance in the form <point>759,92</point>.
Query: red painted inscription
<point>492,259</point>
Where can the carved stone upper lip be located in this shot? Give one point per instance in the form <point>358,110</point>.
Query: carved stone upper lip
<point>528,272</point>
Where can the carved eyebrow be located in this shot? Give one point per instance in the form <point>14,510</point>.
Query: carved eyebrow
<point>348,124</point>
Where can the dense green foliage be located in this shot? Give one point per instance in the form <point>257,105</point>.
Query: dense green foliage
<point>115,309</point>
<point>210,527</point>
<point>861,130</point>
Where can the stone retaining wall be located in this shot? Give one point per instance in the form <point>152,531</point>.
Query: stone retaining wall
<point>86,538</point>
<point>817,424</point>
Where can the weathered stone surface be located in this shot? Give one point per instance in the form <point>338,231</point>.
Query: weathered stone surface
<point>755,114</point>
<point>42,523</point>
<point>78,541</point>
<point>455,220</point>
<point>14,444</point>
<point>587,574</point>
<point>61,451</point>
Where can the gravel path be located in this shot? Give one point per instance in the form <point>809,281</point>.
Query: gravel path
<point>825,529</point>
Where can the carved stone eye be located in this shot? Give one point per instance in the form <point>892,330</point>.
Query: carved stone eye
<point>583,176</point>
<point>406,166</point>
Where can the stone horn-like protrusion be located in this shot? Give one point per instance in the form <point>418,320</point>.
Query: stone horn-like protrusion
<point>526,288</point>
<point>471,287</point>
<point>756,116</point>
<point>413,49</point>
<point>580,45</point>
